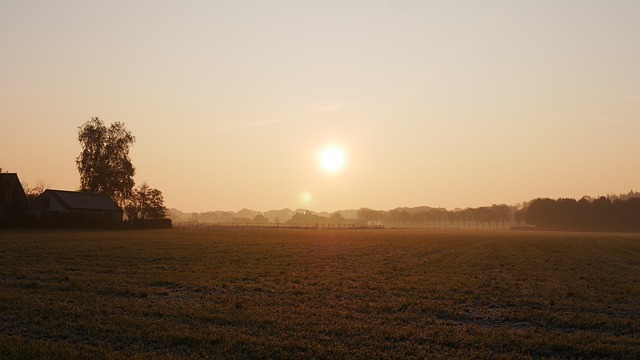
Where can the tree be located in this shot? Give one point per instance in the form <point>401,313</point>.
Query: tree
<point>33,192</point>
<point>467,217</point>
<point>456,215</point>
<point>483,215</point>
<point>104,163</point>
<point>520,215</point>
<point>145,203</point>
<point>501,213</point>
<point>364,214</point>
<point>404,217</point>
<point>541,212</point>
<point>418,218</point>
<point>393,215</point>
<point>336,218</point>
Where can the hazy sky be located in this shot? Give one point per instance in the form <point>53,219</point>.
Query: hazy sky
<point>441,103</point>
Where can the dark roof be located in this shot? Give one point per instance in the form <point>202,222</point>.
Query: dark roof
<point>74,200</point>
<point>9,184</point>
<point>11,193</point>
<point>7,181</point>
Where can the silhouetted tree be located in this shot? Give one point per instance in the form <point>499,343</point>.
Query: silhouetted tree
<point>418,218</point>
<point>467,216</point>
<point>627,196</point>
<point>378,216</point>
<point>457,214</point>
<point>33,192</point>
<point>404,217</point>
<point>501,213</point>
<point>519,216</point>
<point>365,214</point>
<point>631,214</point>
<point>484,215</point>
<point>541,212</point>
<point>438,215</point>
<point>104,163</point>
<point>336,218</point>
<point>585,214</point>
<point>602,212</point>
<point>393,215</point>
<point>145,203</point>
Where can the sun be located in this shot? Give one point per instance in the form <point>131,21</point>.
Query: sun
<point>331,159</point>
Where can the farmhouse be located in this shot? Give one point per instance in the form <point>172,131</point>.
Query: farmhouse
<point>76,209</point>
<point>13,201</point>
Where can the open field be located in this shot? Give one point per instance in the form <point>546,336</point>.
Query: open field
<point>324,294</point>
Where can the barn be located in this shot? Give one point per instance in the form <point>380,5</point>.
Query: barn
<point>13,201</point>
<point>62,208</point>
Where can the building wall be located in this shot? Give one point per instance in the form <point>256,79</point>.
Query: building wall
<point>51,213</point>
<point>53,205</point>
<point>13,202</point>
<point>81,219</point>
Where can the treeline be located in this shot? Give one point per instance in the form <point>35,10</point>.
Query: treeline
<point>485,217</point>
<point>600,214</point>
<point>610,213</point>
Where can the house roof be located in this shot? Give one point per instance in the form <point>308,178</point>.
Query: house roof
<point>8,180</point>
<point>74,200</point>
<point>9,183</point>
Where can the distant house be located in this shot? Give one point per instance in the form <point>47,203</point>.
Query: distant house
<point>76,209</point>
<point>13,201</point>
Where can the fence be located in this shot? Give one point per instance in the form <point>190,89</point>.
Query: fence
<point>245,225</point>
<point>477,225</point>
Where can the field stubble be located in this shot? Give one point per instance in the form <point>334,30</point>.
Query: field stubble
<point>278,293</point>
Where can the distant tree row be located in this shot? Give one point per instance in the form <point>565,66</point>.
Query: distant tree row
<point>610,213</point>
<point>601,214</point>
<point>486,217</point>
<point>494,216</point>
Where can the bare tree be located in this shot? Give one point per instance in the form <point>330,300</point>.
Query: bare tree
<point>33,192</point>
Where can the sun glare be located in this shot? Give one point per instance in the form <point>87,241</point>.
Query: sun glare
<point>331,159</point>
<point>304,197</point>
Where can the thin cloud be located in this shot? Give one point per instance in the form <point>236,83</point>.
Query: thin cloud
<point>257,124</point>
<point>295,116</point>
<point>330,108</point>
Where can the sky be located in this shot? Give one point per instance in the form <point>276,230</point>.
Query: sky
<point>439,103</point>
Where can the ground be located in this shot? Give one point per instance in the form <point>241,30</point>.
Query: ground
<point>282,293</point>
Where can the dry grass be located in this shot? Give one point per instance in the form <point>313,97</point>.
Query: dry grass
<point>318,294</point>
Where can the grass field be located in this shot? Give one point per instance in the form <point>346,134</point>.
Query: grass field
<point>318,294</point>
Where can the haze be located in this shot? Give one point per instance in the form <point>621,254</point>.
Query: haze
<point>451,104</point>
